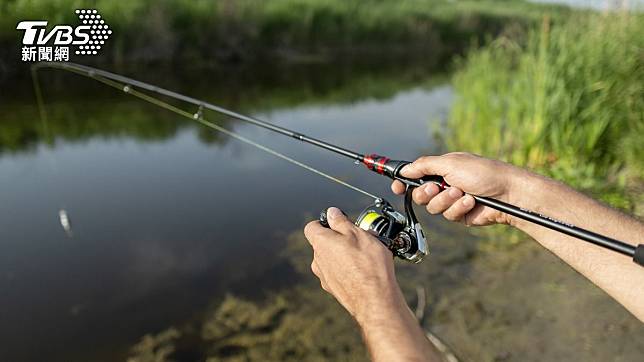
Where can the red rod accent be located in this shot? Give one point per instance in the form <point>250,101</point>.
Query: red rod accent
<point>381,164</point>
<point>368,161</point>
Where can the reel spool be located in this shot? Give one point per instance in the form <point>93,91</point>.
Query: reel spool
<point>402,234</point>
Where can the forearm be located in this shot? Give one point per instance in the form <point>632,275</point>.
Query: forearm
<point>392,333</point>
<point>614,273</point>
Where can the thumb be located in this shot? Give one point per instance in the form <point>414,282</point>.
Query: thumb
<point>338,221</point>
<point>426,165</point>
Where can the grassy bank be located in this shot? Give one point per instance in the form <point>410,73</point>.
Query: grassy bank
<point>249,29</point>
<point>568,103</point>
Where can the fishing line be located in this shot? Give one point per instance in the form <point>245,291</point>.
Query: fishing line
<point>198,117</point>
<point>63,215</point>
<point>401,233</point>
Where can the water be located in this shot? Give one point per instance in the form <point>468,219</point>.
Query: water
<point>165,215</point>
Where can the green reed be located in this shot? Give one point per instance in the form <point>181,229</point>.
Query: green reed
<point>567,101</point>
<point>246,29</point>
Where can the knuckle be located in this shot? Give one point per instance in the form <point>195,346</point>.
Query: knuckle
<point>348,227</point>
<point>457,154</point>
<point>361,234</point>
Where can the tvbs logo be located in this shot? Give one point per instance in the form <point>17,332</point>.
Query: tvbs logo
<point>39,44</point>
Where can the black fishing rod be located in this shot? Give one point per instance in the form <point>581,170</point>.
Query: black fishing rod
<point>393,225</point>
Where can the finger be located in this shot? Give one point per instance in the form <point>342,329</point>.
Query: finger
<point>460,208</point>
<point>339,221</point>
<point>478,217</point>
<point>423,194</point>
<point>426,165</point>
<point>444,200</point>
<point>314,231</point>
<point>397,187</point>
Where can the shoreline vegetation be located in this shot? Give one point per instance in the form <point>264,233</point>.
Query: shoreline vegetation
<point>556,93</point>
<point>235,31</point>
<point>568,102</point>
<point>565,100</point>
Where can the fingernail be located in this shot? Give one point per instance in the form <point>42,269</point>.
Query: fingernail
<point>468,201</point>
<point>454,193</point>
<point>333,212</point>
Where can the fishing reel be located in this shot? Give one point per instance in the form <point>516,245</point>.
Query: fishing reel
<point>400,233</point>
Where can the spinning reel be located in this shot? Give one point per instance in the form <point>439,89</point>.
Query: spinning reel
<point>400,233</point>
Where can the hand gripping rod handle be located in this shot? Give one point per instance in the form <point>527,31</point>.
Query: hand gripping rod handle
<point>391,169</point>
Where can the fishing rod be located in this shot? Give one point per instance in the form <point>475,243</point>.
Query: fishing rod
<point>401,233</point>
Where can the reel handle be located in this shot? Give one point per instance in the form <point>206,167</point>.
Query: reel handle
<point>401,234</point>
<point>323,219</point>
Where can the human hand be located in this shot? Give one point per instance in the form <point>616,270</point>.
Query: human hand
<point>353,266</point>
<point>467,175</point>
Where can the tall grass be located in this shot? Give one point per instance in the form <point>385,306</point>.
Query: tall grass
<point>569,102</point>
<point>165,29</point>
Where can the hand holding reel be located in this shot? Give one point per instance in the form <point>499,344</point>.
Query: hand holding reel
<point>400,233</point>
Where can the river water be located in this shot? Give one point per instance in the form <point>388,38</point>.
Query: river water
<point>167,217</point>
<point>163,221</point>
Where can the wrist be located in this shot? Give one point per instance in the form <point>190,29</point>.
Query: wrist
<point>524,188</point>
<point>381,307</point>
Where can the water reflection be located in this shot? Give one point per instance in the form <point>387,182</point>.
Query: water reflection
<point>167,215</point>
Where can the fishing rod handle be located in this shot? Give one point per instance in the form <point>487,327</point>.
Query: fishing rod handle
<point>392,168</point>
<point>639,255</point>
<point>558,225</point>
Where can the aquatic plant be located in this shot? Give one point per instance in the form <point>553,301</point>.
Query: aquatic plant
<point>301,322</point>
<point>155,348</point>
